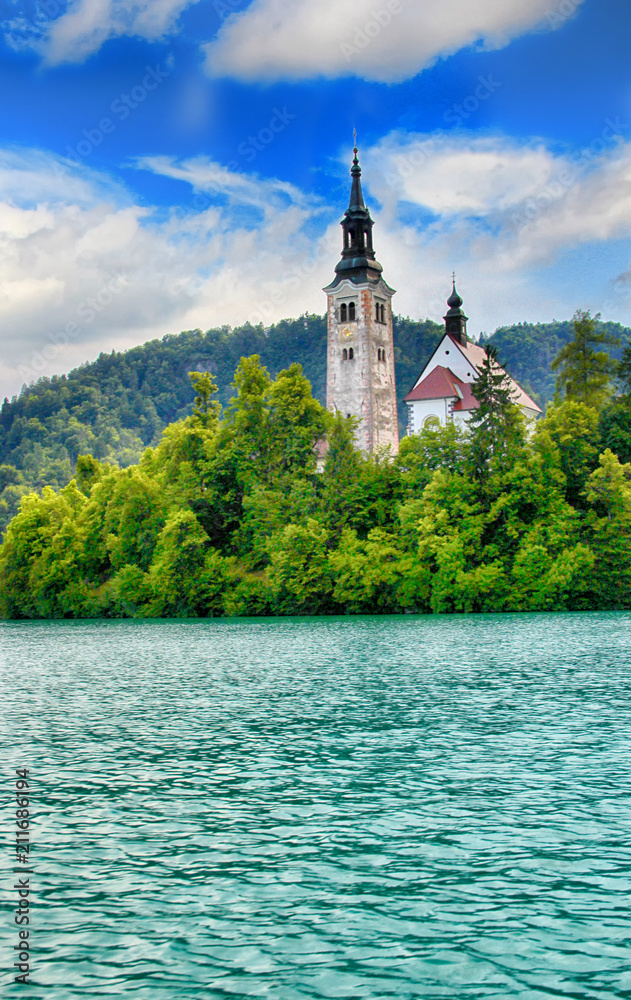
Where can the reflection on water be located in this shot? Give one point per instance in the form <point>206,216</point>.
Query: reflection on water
<point>337,807</point>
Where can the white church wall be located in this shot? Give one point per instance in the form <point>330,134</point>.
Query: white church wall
<point>420,410</point>
<point>448,355</point>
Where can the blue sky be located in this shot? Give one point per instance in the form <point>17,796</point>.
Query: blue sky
<point>172,164</point>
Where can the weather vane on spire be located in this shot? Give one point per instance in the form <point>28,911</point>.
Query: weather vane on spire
<point>453,277</point>
<point>354,140</point>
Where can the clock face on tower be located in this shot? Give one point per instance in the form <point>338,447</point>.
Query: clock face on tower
<point>346,332</point>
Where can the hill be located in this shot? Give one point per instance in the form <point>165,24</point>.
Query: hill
<point>116,406</point>
<point>527,350</point>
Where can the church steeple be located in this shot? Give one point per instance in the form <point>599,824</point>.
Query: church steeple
<point>360,377</point>
<point>455,319</point>
<point>358,256</point>
<point>356,203</point>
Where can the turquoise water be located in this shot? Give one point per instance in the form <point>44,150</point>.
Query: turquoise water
<point>336,807</point>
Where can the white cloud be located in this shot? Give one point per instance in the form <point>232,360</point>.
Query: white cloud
<point>87,24</point>
<point>456,174</point>
<point>546,236</point>
<point>30,177</point>
<point>523,227</point>
<point>204,175</point>
<point>83,274</point>
<point>381,40</point>
<point>519,201</point>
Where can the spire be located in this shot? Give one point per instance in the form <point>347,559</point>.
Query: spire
<point>455,319</point>
<point>356,203</point>
<point>358,256</point>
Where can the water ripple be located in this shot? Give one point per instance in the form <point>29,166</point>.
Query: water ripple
<point>398,807</point>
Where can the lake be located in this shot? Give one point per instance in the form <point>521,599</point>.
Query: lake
<point>324,807</point>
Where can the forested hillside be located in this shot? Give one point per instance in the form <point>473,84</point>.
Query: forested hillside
<point>115,406</point>
<point>527,350</point>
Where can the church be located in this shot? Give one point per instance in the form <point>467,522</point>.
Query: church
<point>360,349</point>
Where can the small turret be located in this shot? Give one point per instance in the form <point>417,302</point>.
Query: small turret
<point>455,319</point>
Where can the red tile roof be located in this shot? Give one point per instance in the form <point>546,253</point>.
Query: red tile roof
<point>476,354</point>
<point>468,401</point>
<point>440,383</point>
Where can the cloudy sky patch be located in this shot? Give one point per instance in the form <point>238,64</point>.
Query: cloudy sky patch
<point>167,165</point>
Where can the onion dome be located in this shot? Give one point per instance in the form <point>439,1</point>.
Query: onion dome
<point>455,319</point>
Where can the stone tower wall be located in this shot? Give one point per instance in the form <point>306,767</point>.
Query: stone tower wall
<point>365,385</point>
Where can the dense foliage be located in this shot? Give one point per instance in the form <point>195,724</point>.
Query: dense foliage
<point>116,406</point>
<point>119,404</point>
<point>227,514</point>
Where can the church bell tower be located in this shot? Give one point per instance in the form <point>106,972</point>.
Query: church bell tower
<point>360,354</point>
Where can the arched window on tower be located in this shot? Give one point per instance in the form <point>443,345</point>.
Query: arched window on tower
<point>383,314</point>
<point>343,312</point>
<point>377,311</point>
<point>351,310</point>
<point>344,355</point>
<point>351,354</point>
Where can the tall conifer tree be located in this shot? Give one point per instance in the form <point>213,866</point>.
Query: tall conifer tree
<point>584,373</point>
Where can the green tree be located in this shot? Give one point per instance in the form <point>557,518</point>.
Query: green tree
<point>434,447</point>
<point>296,422</point>
<point>299,577</point>
<point>615,417</point>
<point>133,518</point>
<point>40,558</point>
<point>568,438</point>
<point>608,493</point>
<point>342,461</point>
<point>466,572</point>
<point>584,372</point>
<point>9,476</point>
<point>376,576</point>
<point>552,569</point>
<point>187,577</point>
<point>496,426</point>
<point>614,427</point>
<point>205,409</point>
<point>88,472</point>
<point>623,371</point>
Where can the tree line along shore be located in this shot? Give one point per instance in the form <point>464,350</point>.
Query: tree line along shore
<point>228,513</point>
